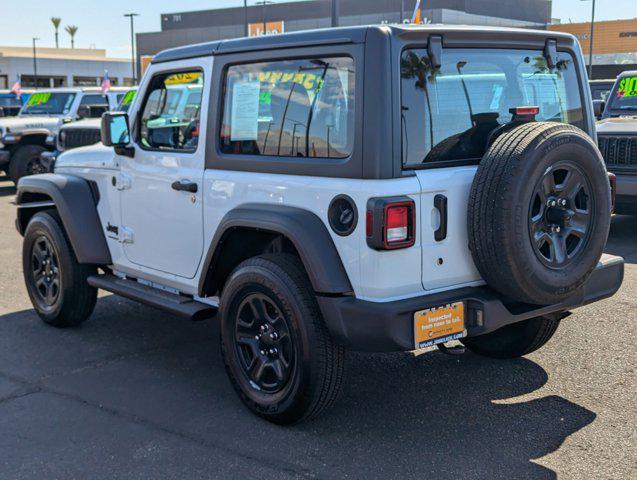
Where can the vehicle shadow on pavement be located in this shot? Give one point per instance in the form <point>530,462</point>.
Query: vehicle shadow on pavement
<point>7,187</point>
<point>621,241</point>
<point>399,415</point>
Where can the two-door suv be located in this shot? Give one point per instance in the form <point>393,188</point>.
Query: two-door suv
<point>375,188</point>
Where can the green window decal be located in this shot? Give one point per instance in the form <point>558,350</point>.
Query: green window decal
<point>39,98</point>
<point>627,87</point>
<point>128,98</point>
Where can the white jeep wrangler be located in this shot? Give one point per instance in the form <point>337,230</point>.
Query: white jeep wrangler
<point>374,188</point>
<point>25,137</point>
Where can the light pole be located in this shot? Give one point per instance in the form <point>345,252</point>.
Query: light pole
<point>35,64</point>
<point>132,43</point>
<point>264,3</point>
<point>590,53</point>
<point>245,18</point>
<point>335,13</point>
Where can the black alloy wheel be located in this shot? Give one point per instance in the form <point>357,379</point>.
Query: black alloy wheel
<point>561,215</point>
<point>264,344</point>
<point>35,166</point>
<point>45,272</point>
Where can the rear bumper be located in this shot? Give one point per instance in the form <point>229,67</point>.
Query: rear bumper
<point>5,156</point>
<point>385,327</point>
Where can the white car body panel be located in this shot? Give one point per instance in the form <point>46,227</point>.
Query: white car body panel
<point>173,230</point>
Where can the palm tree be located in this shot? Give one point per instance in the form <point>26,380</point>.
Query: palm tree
<point>71,30</point>
<point>56,24</point>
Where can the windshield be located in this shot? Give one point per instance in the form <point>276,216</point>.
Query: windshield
<point>448,113</point>
<point>48,103</point>
<point>625,98</point>
<point>126,100</point>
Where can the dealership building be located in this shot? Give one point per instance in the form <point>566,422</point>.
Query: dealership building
<point>61,67</point>
<point>185,28</point>
<point>614,45</point>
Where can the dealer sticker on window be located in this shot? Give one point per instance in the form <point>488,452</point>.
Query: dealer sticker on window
<point>439,325</point>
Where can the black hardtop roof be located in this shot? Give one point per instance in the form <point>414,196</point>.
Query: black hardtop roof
<point>340,35</point>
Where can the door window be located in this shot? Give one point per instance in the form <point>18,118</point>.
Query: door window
<point>290,108</point>
<point>171,113</point>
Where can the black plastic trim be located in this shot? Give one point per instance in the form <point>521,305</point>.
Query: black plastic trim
<point>75,202</point>
<point>304,229</point>
<point>386,327</point>
<point>180,305</point>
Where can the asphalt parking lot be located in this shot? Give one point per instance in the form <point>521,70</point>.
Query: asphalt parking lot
<point>136,393</point>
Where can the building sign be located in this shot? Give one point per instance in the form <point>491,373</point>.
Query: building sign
<point>271,28</point>
<point>611,37</point>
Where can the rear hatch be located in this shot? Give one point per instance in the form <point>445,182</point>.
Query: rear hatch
<point>448,114</point>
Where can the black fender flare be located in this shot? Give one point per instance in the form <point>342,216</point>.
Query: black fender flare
<point>303,228</point>
<point>76,202</point>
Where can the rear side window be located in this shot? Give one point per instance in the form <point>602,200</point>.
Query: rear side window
<point>291,108</point>
<point>448,113</point>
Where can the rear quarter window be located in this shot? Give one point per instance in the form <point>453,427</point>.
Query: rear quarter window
<point>290,108</point>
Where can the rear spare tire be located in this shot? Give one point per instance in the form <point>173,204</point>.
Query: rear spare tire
<point>539,212</point>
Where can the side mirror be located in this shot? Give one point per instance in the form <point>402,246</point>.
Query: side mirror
<point>115,130</point>
<point>598,108</point>
<point>84,111</point>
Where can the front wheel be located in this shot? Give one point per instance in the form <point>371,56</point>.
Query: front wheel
<point>55,281</point>
<point>26,161</point>
<point>515,340</point>
<point>278,353</point>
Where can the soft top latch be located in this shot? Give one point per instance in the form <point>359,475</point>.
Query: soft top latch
<point>434,51</point>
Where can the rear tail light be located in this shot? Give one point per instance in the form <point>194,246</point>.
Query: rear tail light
<point>391,223</point>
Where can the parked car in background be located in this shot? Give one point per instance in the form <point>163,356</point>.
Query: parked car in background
<point>10,104</point>
<point>25,137</point>
<point>86,131</point>
<point>617,136</point>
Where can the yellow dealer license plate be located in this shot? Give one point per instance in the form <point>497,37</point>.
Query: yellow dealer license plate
<point>439,325</point>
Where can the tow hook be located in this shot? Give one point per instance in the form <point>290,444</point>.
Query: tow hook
<point>455,350</point>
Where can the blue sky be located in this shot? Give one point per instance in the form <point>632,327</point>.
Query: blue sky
<point>101,24</point>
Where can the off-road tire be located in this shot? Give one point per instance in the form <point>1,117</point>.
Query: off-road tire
<point>500,204</point>
<point>515,340</point>
<point>19,164</point>
<point>317,374</point>
<point>75,299</point>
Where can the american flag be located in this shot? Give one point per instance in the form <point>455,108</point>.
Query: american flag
<point>106,83</point>
<point>17,88</point>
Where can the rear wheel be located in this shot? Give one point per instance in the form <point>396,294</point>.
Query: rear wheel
<point>278,353</point>
<point>514,340</point>
<point>55,281</point>
<point>26,161</point>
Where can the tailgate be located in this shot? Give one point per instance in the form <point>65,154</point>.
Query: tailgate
<point>446,262</point>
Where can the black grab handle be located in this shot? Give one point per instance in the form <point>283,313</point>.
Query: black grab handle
<point>440,203</point>
<point>185,186</point>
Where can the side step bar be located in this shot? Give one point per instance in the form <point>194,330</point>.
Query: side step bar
<point>169,302</point>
